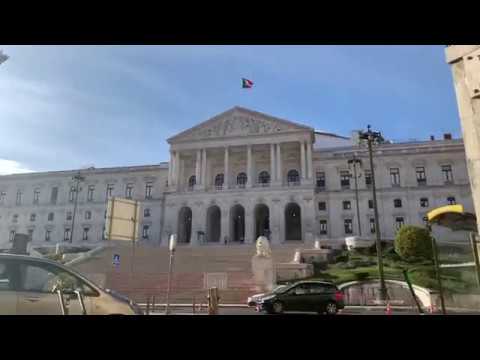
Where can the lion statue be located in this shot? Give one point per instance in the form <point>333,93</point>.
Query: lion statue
<point>263,247</point>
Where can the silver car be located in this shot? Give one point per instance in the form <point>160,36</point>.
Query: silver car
<point>36,286</point>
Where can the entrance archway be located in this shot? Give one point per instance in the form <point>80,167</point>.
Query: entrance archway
<point>262,221</point>
<point>184,228</point>
<point>293,222</point>
<point>237,223</point>
<point>214,217</point>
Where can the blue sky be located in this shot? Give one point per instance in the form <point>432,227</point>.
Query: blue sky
<point>66,107</point>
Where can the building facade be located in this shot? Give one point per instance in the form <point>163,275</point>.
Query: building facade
<point>243,174</point>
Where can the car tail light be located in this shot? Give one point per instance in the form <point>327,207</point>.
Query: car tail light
<point>339,296</point>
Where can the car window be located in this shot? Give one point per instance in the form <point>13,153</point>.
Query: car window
<point>44,277</point>
<point>320,289</point>
<point>299,290</point>
<point>6,276</point>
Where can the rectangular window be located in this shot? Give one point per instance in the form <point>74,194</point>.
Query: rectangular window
<point>322,206</point>
<point>146,213</point>
<point>50,216</point>
<point>399,222</point>
<point>421,177</point>
<point>397,203</point>
<point>71,194</point>
<point>54,195</point>
<point>447,174</point>
<point>145,231</point>
<point>323,227</point>
<point>345,179</point>
<point>347,205</point>
<point>33,217</point>
<point>368,179</point>
<point>424,202</point>
<point>19,198</point>
<point>320,180</point>
<point>348,226</point>
<point>451,200</point>
<point>110,188</point>
<point>370,204</point>
<point>69,215</point>
<point>3,196</point>
<point>148,190</point>
<point>66,235</point>
<point>372,226</point>
<point>48,233</point>
<point>30,234</point>
<point>88,215</point>
<point>395,176</point>
<point>36,196</point>
<point>91,190</point>
<point>11,236</point>
<point>85,234</point>
<point>15,218</point>
<point>129,191</point>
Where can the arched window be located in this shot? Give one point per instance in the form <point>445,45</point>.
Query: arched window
<point>264,178</point>
<point>219,181</point>
<point>241,179</point>
<point>192,181</point>
<point>292,177</point>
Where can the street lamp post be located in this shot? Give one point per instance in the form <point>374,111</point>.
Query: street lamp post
<point>172,245</point>
<point>3,57</point>
<point>78,177</point>
<point>354,161</point>
<point>372,137</point>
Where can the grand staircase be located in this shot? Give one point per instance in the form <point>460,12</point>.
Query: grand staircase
<point>143,271</point>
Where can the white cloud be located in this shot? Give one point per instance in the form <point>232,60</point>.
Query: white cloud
<point>8,167</point>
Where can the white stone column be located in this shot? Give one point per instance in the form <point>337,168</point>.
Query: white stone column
<point>465,64</point>
<point>279,164</point>
<point>249,220</point>
<point>224,225</point>
<point>204,168</point>
<point>177,169</point>
<point>272,163</point>
<point>249,167</point>
<point>226,174</point>
<point>170,170</point>
<point>302,160</point>
<point>309,160</point>
<point>198,166</point>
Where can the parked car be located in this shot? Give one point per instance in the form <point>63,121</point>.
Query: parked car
<point>37,286</point>
<point>309,296</point>
<point>253,300</point>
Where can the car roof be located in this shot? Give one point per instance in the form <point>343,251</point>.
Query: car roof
<point>46,261</point>
<point>315,282</point>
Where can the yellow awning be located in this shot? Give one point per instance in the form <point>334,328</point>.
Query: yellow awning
<point>453,217</point>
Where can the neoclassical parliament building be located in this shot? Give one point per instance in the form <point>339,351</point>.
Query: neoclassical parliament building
<point>242,174</point>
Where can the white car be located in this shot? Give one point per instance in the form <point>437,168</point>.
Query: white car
<point>36,286</point>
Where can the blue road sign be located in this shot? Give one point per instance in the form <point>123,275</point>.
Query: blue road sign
<point>116,260</point>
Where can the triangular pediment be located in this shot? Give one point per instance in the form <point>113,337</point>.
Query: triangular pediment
<point>238,122</point>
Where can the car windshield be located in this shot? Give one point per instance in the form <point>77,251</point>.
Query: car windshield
<point>280,289</point>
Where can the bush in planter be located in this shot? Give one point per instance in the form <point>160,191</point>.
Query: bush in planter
<point>361,276</point>
<point>413,243</point>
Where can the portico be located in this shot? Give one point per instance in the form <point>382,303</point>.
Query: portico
<point>239,165</point>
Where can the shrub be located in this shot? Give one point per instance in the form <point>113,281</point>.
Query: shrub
<point>361,276</point>
<point>413,243</point>
<point>341,258</point>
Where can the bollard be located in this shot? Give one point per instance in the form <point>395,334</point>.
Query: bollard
<point>148,306</point>
<point>153,304</point>
<point>193,305</point>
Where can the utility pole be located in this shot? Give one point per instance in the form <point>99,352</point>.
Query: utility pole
<point>78,177</point>
<point>372,137</point>
<point>354,161</point>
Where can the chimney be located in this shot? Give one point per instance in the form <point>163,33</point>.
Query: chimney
<point>432,138</point>
<point>447,136</point>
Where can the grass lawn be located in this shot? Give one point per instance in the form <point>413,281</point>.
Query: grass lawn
<point>421,274</point>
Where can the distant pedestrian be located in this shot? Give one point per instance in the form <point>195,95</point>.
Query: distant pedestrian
<point>225,239</point>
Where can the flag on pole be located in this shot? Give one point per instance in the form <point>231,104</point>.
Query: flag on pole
<point>247,84</point>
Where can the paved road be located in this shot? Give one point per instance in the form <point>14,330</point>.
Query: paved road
<point>348,311</point>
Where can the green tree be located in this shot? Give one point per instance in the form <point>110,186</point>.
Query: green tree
<point>413,243</point>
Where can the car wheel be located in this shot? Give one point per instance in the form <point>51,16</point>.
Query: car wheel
<point>277,307</point>
<point>331,308</point>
